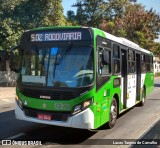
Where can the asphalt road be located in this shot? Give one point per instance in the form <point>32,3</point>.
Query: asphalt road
<point>137,123</point>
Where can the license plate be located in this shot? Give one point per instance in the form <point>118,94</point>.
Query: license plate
<point>44,117</point>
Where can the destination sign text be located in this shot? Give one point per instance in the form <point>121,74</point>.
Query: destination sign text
<point>56,36</point>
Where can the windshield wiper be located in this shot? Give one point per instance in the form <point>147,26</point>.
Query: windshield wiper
<point>65,53</point>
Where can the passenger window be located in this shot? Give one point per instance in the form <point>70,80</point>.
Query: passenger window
<point>116,58</point>
<point>143,68</point>
<point>131,61</point>
<point>104,61</point>
<point>149,63</point>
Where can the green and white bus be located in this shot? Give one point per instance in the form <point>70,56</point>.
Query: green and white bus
<point>79,77</point>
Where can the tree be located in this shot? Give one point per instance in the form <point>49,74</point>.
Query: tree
<point>71,18</point>
<point>116,9</point>
<point>55,15</point>
<point>90,12</point>
<point>70,15</point>
<point>121,18</point>
<point>136,24</point>
<point>19,15</point>
<point>8,36</point>
<point>156,49</point>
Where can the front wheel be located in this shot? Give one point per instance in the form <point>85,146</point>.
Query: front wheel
<point>113,114</point>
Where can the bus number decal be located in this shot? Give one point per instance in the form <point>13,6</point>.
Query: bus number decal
<point>60,106</point>
<point>36,37</point>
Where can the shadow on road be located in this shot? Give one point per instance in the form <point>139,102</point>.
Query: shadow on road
<point>10,126</point>
<point>57,135</point>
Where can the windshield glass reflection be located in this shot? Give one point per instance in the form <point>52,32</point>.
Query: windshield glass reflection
<point>41,67</point>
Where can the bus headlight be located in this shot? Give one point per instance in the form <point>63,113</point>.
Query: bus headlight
<point>77,109</point>
<point>86,104</point>
<point>19,102</point>
<point>82,106</point>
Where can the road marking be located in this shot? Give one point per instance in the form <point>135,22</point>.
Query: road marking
<point>6,100</point>
<point>15,136</point>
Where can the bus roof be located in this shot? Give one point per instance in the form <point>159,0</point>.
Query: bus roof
<point>123,41</point>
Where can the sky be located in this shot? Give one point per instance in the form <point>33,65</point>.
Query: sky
<point>155,4</point>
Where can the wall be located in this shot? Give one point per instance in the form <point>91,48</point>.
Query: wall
<point>7,78</point>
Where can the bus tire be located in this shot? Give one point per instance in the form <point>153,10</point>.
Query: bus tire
<point>113,114</point>
<point>143,98</point>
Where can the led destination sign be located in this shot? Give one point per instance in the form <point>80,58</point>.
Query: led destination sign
<point>56,36</point>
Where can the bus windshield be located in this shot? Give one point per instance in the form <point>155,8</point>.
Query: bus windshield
<point>57,66</point>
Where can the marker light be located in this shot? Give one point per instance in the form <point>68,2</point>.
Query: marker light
<point>82,106</point>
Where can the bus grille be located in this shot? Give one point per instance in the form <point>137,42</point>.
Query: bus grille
<point>54,95</point>
<point>56,116</point>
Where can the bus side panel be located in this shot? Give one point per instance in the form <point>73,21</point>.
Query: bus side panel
<point>104,98</point>
<point>131,91</point>
<point>102,103</point>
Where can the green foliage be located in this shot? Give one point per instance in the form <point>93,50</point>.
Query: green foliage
<point>90,12</point>
<point>135,23</point>
<point>94,11</point>
<point>55,15</point>
<point>116,8</point>
<point>70,15</point>
<point>71,18</point>
<point>121,18</point>
<point>19,15</point>
<point>156,49</point>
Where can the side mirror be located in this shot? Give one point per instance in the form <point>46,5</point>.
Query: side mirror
<point>15,59</point>
<point>106,57</point>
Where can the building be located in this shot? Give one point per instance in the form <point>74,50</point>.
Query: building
<point>156,62</point>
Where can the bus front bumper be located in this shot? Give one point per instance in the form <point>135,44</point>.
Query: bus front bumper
<point>82,120</point>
